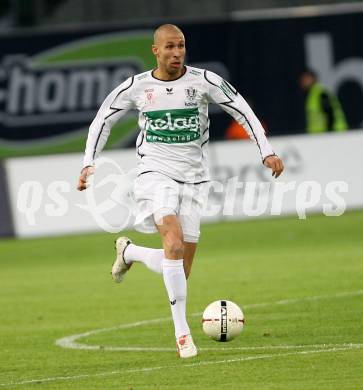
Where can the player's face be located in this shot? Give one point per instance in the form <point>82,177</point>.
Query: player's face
<point>170,52</point>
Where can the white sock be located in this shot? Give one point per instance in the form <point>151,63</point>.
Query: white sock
<point>176,286</point>
<point>151,257</point>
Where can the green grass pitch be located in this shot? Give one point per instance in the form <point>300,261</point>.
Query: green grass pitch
<point>300,284</point>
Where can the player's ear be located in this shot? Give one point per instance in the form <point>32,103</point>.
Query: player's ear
<point>154,49</point>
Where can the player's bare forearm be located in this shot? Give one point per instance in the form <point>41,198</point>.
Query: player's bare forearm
<point>275,164</point>
<point>82,181</point>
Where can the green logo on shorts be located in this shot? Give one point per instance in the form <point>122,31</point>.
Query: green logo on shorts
<point>172,126</point>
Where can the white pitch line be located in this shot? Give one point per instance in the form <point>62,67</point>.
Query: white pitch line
<point>189,365</point>
<point>70,342</point>
<point>251,348</point>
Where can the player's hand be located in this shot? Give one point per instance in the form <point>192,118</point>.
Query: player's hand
<point>82,182</point>
<point>275,163</point>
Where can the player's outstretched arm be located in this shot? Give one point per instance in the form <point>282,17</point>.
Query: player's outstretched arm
<point>276,165</point>
<point>114,107</point>
<point>82,182</point>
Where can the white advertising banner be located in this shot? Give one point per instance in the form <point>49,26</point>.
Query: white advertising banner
<point>45,200</point>
<point>322,175</point>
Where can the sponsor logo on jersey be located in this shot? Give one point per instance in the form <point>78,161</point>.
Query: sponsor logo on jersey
<point>172,126</point>
<point>169,91</point>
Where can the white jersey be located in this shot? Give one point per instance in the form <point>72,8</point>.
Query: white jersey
<point>173,121</point>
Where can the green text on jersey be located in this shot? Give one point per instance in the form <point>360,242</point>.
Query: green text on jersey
<point>172,126</point>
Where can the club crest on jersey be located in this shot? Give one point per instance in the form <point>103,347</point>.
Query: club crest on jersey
<point>190,94</point>
<point>169,91</point>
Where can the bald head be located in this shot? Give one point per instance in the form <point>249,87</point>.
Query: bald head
<point>169,50</point>
<point>166,30</point>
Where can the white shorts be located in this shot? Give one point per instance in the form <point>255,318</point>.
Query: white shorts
<point>158,195</point>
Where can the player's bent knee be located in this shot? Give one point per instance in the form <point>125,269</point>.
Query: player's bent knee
<point>175,249</point>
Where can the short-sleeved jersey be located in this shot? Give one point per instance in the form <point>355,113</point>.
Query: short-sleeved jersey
<point>173,121</point>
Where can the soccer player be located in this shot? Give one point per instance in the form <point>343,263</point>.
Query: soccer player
<point>172,150</point>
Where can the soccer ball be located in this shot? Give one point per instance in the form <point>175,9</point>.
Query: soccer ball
<point>223,320</point>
